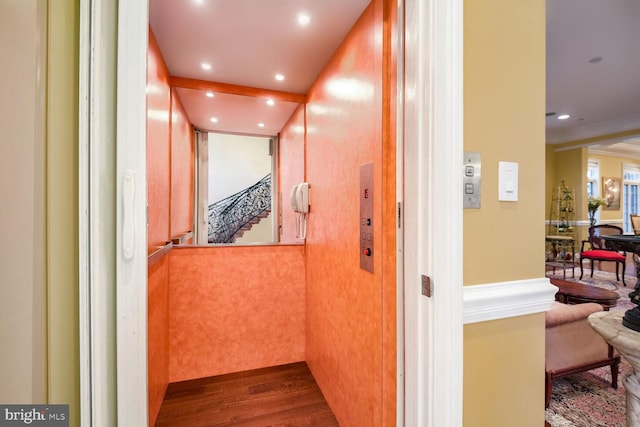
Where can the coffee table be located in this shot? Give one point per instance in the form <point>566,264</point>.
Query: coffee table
<point>577,293</point>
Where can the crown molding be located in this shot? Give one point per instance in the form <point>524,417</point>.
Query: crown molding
<point>597,129</point>
<point>627,152</point>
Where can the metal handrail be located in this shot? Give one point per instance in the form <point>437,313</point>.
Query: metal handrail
<point>228,216</point>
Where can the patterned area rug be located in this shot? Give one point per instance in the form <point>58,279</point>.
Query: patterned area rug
<point>587,399</point>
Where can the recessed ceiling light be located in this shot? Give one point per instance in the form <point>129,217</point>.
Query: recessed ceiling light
<point>271,102</point>
<point>595,59</point>
<point>279,77</point>
<point>210,95</point>
<point>260,125</point>
<point>205,66</point>
<point>563,116</point>
<point>214,120</point>
<point>303,19</point>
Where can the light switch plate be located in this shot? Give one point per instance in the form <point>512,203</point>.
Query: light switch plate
<point>507,181</point>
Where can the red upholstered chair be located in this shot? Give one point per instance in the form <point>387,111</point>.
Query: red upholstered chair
<point>597,250</point>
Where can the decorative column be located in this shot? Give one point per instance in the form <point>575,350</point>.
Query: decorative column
<point>627,342</point>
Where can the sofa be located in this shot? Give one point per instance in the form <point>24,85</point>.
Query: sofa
<point>572,346</point>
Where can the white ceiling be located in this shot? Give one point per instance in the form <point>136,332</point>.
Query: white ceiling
<point>248,41</point>
<point>601,97</point>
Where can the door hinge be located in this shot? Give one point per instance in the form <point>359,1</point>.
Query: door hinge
<point>399,215</point>
<point>426,286</point>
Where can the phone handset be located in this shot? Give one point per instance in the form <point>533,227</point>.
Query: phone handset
<point>300,198</point>
<point>300,205</point>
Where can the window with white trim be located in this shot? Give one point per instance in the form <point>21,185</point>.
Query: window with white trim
<point>631,181</point>
<point>235,197</point>
<point>593,178</point>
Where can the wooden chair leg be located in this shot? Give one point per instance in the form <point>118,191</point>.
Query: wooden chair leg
<point>548,388</point>
<point>581,271</point>
<point>591,267</point>
<point>615,368</point>
<point>617,268</point>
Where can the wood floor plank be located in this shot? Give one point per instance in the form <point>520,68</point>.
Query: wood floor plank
<point>284,395</point>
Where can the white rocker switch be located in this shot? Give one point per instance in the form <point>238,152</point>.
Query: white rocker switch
<point>508,182</point>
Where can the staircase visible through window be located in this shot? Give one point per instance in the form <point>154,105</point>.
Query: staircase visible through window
<point>237,201</point>
<point>232,216</point>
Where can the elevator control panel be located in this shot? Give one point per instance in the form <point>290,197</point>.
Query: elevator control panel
<point>366,217</point>
<point>471,180</point>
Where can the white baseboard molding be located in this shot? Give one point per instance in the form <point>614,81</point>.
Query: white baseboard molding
<point>503,300</point>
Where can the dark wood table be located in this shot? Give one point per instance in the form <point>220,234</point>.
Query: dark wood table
<point>625,243</point>
<point>629,243</point>
<point>577,293</point>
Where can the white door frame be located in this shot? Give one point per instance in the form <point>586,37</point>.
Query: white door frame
<point>201,183</point>
<point>96,216</point>
<point>131,206</point>
<point>431,334</point>
<point>113,304</point>
<point>432,241</point>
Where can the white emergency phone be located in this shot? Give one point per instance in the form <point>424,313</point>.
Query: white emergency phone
<point>300,198</point>
<point>300,205</point>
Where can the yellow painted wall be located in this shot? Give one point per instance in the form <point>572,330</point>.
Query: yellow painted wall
<point>41,361</point>
<point>62,208</point>
<point>504,373</point>
<point>550,177</point>
<point>22,329</point>
<point>504,86</point>
<point>504,104</point>
<point>571,166</point>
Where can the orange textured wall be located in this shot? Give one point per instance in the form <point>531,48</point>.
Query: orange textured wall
<point>291,168</point>
<point>158,335</point>
<point>158,151</point>
<point>235,308</point>
<point>344,306</point>
<point>170,200</point>
<point>182,153</point>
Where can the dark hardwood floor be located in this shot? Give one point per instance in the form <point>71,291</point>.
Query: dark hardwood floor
<point>278,396</point>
